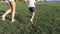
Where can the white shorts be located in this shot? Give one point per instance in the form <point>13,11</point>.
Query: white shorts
<point>8,1</point>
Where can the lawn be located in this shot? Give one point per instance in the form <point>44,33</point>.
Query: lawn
<point>47,19</point>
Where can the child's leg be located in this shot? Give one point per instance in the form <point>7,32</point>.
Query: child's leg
<point>32,16</point>
<point>7,12</point>
<point>32,13</point>
<point>13,11</point>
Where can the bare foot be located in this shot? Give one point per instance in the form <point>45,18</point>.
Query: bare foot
<point>3,18</point>
<point>31,20</point>
<point>13,21</point>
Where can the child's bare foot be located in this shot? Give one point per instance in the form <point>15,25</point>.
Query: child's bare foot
<point>31,20</point>
<point>3,18</point>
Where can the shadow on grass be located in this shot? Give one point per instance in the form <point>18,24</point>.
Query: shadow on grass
<point>19,18</point>
<point>1,12</point>
<point>34,29</point>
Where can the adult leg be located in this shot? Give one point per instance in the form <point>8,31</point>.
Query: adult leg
<point>13,10</point>
<point>7,12</point>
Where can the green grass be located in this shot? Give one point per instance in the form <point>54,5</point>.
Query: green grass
<point>47,19</point>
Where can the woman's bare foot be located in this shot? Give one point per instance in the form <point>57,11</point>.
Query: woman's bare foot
<point>13,20</point>
<point>3,18</point>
